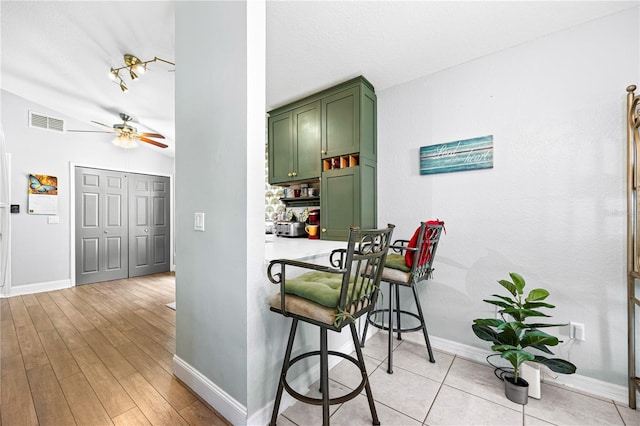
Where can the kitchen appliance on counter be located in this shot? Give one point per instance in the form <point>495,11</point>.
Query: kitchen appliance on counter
<point>290,229</point>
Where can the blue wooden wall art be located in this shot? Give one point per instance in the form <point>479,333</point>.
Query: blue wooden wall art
<point>468,154</point>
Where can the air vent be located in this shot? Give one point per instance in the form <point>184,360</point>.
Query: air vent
<point>44,122</point>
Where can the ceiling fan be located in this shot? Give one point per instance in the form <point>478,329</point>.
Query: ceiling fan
<point>127,134</point>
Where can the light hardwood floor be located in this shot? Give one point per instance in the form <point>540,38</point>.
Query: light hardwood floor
<point>98,354</point>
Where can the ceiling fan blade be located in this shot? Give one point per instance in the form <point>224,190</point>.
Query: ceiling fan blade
<point>151,135</point>
<point>111,127</point>
<point>152,142</point>
<point>90,131</point>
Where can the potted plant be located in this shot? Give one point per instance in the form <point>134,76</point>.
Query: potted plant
<point>513,338</point>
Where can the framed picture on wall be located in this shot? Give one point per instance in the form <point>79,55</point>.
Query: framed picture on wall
<point>43,194</point>
<point>467,154</point>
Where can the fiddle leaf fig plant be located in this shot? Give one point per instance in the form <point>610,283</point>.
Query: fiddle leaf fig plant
<point>512,335</point>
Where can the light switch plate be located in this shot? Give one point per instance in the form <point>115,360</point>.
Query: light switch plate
<point>198,221</point>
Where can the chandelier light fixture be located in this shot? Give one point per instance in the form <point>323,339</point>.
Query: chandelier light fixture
<point>135,67</point>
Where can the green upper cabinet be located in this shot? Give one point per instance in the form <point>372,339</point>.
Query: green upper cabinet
<point>330,135</point>
<point>349,121</point>
<point>294,144</point>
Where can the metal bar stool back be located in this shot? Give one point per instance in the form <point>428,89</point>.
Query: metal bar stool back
<point>330,297</point>
<point>411,263</point>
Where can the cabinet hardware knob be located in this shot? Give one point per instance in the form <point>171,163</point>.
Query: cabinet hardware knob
<point>290,174</point>
<point>294,174</point>
<point>324,229</point>
<point>323,152</point>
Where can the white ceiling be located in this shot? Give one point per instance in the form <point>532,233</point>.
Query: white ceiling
<point>58,53</point>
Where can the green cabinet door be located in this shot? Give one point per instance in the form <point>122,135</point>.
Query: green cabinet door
<point>280,147</point>
<point>341,123</point>
<point>306,121</point>
<point>339,202</point>
<point>348,197</point>
<point>294,144</point>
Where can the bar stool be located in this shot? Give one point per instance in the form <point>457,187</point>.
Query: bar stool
<point>331,297</point>
<point>411,264</point>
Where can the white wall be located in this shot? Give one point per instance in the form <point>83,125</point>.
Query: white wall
<point>211,177</point>
<point>553,208</point>
<point>40,253</point>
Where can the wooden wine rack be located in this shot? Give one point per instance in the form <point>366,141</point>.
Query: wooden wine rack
<point>340,162</point>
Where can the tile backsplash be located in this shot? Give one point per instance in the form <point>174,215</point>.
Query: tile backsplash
<point>272,194</point>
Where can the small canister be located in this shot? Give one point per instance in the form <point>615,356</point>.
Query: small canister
<point>304,190</point>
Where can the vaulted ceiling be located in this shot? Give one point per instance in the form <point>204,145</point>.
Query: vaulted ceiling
<point>58,54</point>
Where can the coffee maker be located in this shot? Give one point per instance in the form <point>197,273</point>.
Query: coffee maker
<point>314,220</point>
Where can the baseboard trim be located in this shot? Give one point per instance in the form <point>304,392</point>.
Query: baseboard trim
<point>38,288</point>
<point>577,382</point>
<point>216,397</point>
<point>236,413</point>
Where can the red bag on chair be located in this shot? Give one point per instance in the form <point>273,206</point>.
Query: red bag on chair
<point>413,242</point>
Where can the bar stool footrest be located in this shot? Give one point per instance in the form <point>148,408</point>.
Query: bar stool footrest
<point>395,330</point>
<point>318,401</point>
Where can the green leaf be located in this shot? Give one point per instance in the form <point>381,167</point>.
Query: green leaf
<point>491,322</point>
<point>497,303</point>
<point>508,336</point>
<point>520,313</point>
<point>542,348</point>
<point>531,305</point>
<point>556,364</point>
<point>541,325</point>
<point>485,333</point>
<point>518,281</point>
<point>506,299</point>
<point>537,294</point>
<point>537,337</point>
<point>511,288</point>
<point>503,348</point>
<point>516,357</point>
<point>516,326</point>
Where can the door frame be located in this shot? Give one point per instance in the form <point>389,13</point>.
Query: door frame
<point>72,222</point>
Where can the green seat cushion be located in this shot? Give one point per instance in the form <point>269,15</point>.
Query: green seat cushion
<point>397,261</point>
<point>319,287</point>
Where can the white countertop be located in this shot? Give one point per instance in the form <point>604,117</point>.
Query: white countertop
<point>298,248</point>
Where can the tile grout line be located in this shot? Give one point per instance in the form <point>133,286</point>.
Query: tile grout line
<point>439,389</point>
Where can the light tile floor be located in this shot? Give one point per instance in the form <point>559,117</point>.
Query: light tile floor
<point>453,391</point>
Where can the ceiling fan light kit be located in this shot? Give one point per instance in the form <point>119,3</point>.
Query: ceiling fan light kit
<point>128,136</point>
<point>125,141</point>
<point>135,66</point>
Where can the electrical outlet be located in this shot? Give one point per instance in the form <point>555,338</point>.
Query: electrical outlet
<point>576,331</point>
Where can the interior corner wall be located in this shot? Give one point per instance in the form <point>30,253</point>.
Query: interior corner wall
<point>40,252</point>
<point>552,208</point>
<point>211,178</point>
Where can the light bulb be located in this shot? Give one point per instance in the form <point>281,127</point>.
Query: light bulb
<point>125,141</point>
<point>139,68</point>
